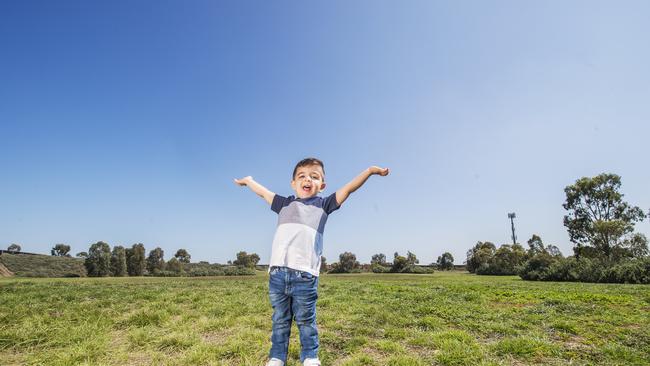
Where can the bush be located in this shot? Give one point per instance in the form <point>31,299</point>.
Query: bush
<point>537,267</point>
<point>633,271</point>
<point>416,269</point>
<point>378,268</point>
<point>166,273</point>
<point>198,272</point>
<point>239,271</point>
<point>547,268</point>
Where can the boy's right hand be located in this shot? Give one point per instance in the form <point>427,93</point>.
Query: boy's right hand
<point>244,181</point>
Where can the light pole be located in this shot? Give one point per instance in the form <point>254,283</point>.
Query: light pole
<point>512,216</point>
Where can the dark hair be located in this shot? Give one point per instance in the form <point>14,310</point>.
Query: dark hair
<point>307,162</point>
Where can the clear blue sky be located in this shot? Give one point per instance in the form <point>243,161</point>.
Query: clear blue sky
<point>126,121</point>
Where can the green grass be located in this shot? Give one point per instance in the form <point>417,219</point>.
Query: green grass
<point>364,319</point>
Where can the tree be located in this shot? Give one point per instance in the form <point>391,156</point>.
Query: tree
<point>183,256</point>
<point>246,260</point>
<point>156,261</point>
<point>135,260</point>
<point>445,262</point>
<point>636,246</point>
<point>535,245</point>
<point>82,255</point>
<point>399,263</point>
<point>118,262</point>
<point>61,250</point>
<point>379,259</point>
<point>506,260</point>
<point>553,250</point>
<point>480,254</point>
<point>597,215</point>
<point>174,265</point>
<point>98,263</point>
<point>347,263</point>
<point>411,259</point>
<point>14,248</point>
<point>323,264</point>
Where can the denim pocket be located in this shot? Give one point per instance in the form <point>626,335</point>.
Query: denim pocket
<point>306,276</point>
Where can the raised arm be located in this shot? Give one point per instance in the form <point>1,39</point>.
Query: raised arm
<point>343,193</point>
<point>259,189</point>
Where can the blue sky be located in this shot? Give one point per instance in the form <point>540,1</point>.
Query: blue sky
<point>126,121</point>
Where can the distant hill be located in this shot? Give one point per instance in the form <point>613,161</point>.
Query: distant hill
<point>39,265</point>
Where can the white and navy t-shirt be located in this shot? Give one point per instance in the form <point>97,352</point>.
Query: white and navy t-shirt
<point>298,241</point>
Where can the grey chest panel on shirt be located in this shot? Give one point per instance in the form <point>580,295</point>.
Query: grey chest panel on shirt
<point>299,213</point>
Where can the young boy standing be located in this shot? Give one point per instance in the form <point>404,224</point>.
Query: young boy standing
<point>296,253</point>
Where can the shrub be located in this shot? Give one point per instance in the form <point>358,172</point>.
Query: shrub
<point>416,269</point>
<point>239,271</point>
<point>548,268</point>
<point>378,268</point>
<point>537,267</point>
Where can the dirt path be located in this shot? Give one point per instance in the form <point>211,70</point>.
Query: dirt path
<point>4,272</point>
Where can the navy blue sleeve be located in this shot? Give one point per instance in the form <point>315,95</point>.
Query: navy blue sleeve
<point>279,202</point>
<point>329,204</point>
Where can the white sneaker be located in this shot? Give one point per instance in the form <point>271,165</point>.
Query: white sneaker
<point>275,362</point>
<point>311,362</point>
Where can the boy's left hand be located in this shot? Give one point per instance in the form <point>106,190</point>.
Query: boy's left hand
<point>379,171</point>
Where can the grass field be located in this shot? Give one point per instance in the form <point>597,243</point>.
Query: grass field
<point>365,319</point>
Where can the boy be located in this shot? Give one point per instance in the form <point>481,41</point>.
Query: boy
<point>296,253</point>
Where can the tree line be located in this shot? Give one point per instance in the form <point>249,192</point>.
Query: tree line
<point>102,261</point>
<point>601,226</point>
<point>348,263</point>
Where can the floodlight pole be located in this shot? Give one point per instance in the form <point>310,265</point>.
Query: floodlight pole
<point>512,216</point>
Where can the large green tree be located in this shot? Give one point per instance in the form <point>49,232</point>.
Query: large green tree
<point>98,263</point>
<point>13,248</point>
<point>346,264</point>
<point>118,262</point>
<point>379,259</point>
<point>174,266</point>
<point>182,256</point>
<point>598,218</point>
<point>61,250</point>
<point>246,260</point>
<point>536,246</point>
<point>135,260</point>
<point>479,255</point>
<point>156,261</point>
<point>445,262</point>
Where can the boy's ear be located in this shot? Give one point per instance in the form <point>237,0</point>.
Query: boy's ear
<point>293,184</point>
<point>322,186</point>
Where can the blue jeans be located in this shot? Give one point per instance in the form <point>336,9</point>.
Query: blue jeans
<point>293,296</point>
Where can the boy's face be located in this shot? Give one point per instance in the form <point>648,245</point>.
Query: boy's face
<point>308,181</point>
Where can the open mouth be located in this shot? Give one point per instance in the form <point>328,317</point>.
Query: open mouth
<point>306,188</point>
